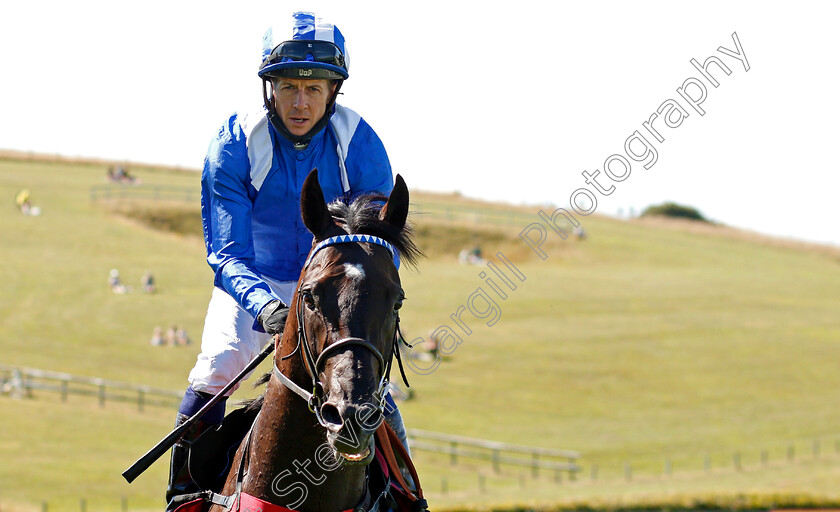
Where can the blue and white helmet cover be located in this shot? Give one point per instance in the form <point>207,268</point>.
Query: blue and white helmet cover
<point>306,27</point>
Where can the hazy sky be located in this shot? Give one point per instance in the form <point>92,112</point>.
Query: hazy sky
<point>510,102</point>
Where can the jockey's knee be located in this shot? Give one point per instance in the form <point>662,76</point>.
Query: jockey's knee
<point>213,371</point>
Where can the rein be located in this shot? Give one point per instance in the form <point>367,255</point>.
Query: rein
<point>315,399</point>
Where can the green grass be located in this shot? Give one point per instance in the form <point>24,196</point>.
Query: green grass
<point>631,361</point>
<point>56,311</point>
<point>643,343</point>
<point>60,453</point>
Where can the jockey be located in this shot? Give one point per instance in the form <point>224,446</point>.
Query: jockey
<point>250,206</point>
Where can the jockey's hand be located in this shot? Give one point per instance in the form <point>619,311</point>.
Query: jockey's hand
<point>273,317</point>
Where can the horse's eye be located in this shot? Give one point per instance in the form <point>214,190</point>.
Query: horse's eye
<point>308,298</point>
<point>399,303</point>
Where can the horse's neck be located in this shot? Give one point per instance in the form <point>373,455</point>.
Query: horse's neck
<point>289,458</point>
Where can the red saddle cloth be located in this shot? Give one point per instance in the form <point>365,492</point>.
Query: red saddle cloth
<point>247,503</point>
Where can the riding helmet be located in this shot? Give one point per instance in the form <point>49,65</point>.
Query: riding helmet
<point>316,50</point>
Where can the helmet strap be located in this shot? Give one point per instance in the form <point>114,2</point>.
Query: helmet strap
<point>299,141</point>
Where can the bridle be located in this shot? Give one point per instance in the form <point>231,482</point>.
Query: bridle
<point>315,399</point>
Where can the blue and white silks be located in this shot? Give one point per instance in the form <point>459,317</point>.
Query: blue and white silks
<point>250,196</point>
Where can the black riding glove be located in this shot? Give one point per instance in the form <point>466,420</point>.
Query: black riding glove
<point>273,317</point>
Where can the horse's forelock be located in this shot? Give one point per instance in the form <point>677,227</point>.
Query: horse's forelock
<point>361,217</point>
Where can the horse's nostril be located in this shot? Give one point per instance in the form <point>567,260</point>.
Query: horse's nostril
<point>332,417</point>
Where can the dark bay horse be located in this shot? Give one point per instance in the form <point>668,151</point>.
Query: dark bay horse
<point>311,442</point>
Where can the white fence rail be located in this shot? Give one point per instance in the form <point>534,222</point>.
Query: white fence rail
<point>146,192</point>
<point>496,453</point>
<point>23,382</point>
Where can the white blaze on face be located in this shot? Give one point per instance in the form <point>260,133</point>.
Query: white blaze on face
<point>354,271</point>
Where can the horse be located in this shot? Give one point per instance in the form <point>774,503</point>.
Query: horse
<point>308,450</point>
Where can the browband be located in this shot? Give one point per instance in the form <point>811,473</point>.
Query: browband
<point>343,239</point>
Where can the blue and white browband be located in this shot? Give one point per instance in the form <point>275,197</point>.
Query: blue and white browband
<point>344,239</point>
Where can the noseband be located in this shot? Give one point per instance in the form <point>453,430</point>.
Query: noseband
<point>316,398</point>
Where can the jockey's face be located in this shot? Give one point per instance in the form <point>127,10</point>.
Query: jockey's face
<point>301,103</point>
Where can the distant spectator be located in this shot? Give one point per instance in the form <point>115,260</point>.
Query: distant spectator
<point>580,233</point>
<point>115,283</point>
<point>15,386</point>
<point>432,345</point>
<point>157,337</point>
<point>428,350</point>
<point>181,337</point>
<point>171,335</point>
<point>174,336</point>
<point>119,174</point>
<point>148,282</point>
<point>24,203</point>
<point>471,256</point>
<point>22,200</point>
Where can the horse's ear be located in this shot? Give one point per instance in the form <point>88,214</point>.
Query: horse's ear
<point>395,211</point>
<point>313,208</point>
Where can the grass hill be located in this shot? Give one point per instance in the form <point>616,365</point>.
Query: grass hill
<point>649,341</point>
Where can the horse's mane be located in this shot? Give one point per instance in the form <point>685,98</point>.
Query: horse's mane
<point>361,217</point>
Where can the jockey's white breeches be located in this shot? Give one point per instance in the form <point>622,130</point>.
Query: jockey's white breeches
<point>229,341</point>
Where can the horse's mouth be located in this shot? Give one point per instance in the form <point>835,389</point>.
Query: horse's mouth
<point>363,458</point>
<point>356,457</point>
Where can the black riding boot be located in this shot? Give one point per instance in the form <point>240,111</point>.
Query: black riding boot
<point>180,481</point>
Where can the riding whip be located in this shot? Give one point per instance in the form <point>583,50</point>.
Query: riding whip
<point>166,443</point>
